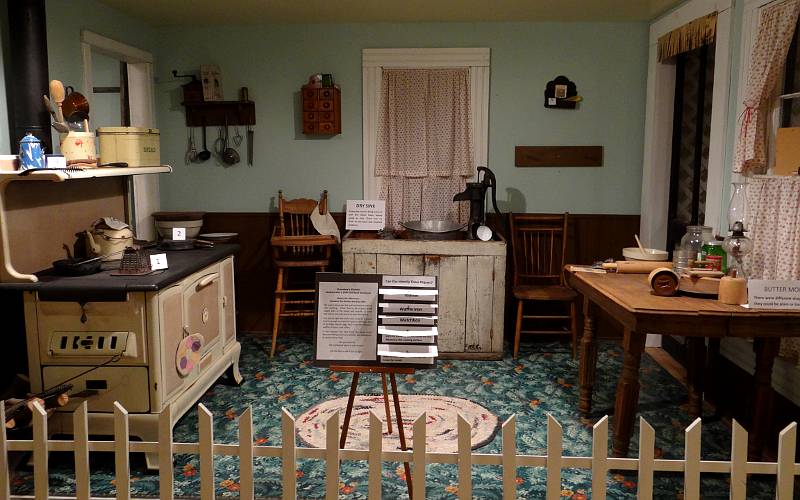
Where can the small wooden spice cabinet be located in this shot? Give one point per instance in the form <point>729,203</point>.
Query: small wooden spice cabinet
<point>322,110</point>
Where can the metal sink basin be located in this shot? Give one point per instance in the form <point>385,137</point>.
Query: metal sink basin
<point>433,229</point>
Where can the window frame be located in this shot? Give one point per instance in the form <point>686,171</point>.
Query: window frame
<point>374,60</point>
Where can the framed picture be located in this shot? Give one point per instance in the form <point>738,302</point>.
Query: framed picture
<point>211,77</point>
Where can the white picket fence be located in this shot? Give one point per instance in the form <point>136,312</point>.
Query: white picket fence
<point>785,469</point>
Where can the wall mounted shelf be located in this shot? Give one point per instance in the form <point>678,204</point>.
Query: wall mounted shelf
<point>220,113</point>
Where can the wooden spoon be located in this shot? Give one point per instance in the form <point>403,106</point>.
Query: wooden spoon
<point>57,95</point>
<point>641,248</point>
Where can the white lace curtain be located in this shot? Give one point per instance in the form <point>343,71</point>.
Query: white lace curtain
<point>775,31</point>
<point>424,150</point>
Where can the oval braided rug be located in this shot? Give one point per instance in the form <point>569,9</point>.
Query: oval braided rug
<point>441,428</point>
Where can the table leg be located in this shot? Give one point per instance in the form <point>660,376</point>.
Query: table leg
<point>627,392</point>
<point>695,374</point>
<point>386,404</point>
<point>399,421</point>
<point>711,390</point>
<point>766,349</point>
<point>349,410</point>
<point>588,363</point>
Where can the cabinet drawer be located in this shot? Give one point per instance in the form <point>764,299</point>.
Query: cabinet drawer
<point>310,94</point>
<point>201,306</point>
<point>325,105</point>
<point>309,127</point>
<point>310,116</point>
<point>326,116</point>
<point>325,127</point>
<point>309,105</point>
<point>326,93</point>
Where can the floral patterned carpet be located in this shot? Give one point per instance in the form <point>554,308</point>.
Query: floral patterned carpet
<point>542,381</point>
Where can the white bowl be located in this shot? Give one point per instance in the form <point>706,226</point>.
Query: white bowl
<point>192,227</point>
<point>633,253</point>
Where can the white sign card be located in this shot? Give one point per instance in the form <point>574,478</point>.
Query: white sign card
<point>366,215</point>
<point>347,319</point>
<point>179,233</point>
<point>409,281</point>
<point>158,261</point>
<point>773,294</point>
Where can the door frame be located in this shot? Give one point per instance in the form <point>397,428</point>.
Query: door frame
<point>143,189</point>
<point>658,121</point>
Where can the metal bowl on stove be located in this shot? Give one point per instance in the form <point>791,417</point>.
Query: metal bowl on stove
<point>433,229</point>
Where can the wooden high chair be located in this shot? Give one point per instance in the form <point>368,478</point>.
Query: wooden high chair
<point>296,244</point>
<point>539,243</point>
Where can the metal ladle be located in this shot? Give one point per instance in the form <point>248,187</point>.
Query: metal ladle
<point>205,154</point>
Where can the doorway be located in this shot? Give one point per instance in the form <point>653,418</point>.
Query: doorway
<point>118,80</point>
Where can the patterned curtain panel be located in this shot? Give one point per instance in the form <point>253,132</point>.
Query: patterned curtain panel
<point>774,213</point>
<point>424,152</point>
<point>775,32</point>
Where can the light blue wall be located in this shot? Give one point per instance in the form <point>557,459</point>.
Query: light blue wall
<point>65,20</point>
<point>607,61</point>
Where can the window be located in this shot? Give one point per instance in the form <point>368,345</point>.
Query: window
<point>755,137</point>
<point>373,62</point>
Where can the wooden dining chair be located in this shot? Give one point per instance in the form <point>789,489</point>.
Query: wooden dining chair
<point>539,244</point>
<point>297,245</point>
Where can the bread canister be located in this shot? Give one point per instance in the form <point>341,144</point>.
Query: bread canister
<point>136,146</point>
<point>78,146</point>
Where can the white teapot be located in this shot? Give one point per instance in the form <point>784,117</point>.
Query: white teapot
<point>108,237</point>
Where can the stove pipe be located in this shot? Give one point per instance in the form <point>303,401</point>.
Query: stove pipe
<point>27,77</point>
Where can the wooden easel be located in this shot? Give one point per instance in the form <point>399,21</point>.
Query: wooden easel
<point>383,370</point>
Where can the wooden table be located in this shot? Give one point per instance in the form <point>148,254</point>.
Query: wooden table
<point>628,299</point>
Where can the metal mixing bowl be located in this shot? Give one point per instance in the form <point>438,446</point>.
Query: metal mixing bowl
<point>433,229</point>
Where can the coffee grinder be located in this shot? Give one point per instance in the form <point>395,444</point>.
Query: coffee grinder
<point>475,193</point>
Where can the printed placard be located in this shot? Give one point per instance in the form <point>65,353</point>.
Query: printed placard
<point>366,215</point>
<point>408,320</point>
<point>158,261</point>
<point>773,294</point>
<point>409,281</point>
<point>179,233</point>
<point>404,308</point>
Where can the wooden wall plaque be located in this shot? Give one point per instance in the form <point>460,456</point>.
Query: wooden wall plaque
<point>558,156</point>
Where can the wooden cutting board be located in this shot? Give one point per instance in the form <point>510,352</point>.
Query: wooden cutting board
<point>787,151</point>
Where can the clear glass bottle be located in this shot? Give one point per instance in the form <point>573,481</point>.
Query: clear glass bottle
<point>693,242</point>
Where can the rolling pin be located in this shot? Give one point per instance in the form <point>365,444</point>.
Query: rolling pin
<point>635,266</point>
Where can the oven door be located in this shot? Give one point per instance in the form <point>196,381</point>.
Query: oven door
<point>202,305</point>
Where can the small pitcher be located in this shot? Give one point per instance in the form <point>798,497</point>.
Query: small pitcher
<point>31,154</point>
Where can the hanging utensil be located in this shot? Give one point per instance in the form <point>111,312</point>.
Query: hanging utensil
<point>192,148</point>
<point>250,139</point>
<point>187,157</point>
<point>229,155</point>
<point>205,154</point>
<point>237,139</point>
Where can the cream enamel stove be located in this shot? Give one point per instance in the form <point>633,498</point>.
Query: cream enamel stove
<point>121,345</point>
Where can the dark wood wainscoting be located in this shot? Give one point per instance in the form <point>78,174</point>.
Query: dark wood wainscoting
<point>592,237</point>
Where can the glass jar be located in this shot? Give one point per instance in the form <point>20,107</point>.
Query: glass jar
<point>693,242</point>
<point>681,259</point>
